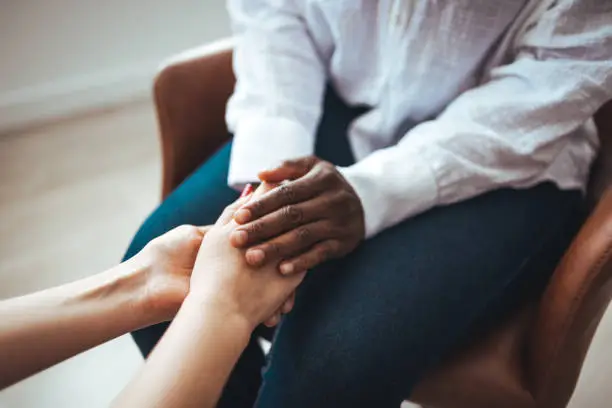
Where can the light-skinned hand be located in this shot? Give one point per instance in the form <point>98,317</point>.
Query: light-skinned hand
<point>167,262</point>
<point>224,278</point>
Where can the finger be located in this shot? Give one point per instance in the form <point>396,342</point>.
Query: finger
<point>285,194</point>
<point>229,211</point>
<point>289,170</point>
<point>274,320</point>
<point>282,173</point>
<point>248,190</point>
<point>262,189</point>
<point>283,220</point>
<point>288,305</point>
<point>318,254</point>
<point>290,243</point>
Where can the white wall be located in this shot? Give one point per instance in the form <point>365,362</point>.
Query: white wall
<point>60,57</point>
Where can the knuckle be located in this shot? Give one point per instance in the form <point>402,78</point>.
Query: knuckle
<point>231,207</point>
<point>228,211</point>
<point>293,214</point>
<point>287,192</point>
<point>303,263</point>
<point>324,254</point>
<point>256,206</point>
<point>272,248</point>
<point>349,203</point>
<point>326,166</point>
<point>311,162</point>
<point>330,250</point>
<point>303,234</point>
<point>318,174</point>
<point>188,231</point>
<point>329,175</point>
<point>183,229</point>
<point>255,228</point>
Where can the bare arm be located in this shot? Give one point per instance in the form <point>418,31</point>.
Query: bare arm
<point>192,362</point>
<point>47,327</point>
<point>226,301</point>
<point>44,328</point>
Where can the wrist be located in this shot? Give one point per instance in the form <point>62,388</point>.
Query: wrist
<point>219,310</point>
<point>132,280</point>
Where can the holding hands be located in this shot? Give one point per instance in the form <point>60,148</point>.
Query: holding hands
<point>223,276</point>
<point>206,280</point>
<point>200,263</point>
<point>304,213</point>
<point>313,216</point>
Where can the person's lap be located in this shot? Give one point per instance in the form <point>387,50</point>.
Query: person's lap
<point>365,328</point>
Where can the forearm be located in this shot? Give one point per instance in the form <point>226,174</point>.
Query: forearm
<point>47,327</point>
<point>508,132</point>
<point>192,362</point>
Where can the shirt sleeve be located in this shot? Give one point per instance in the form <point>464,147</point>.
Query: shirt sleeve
<point>506,132</point>
<point>276,104</point>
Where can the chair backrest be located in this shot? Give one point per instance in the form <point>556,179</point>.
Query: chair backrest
<point>601,173</point>
<point>579,291</point>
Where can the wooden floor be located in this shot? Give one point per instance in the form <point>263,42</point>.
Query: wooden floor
<point>71,196</point>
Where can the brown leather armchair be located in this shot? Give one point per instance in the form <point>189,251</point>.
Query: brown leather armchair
<point>531,360</point>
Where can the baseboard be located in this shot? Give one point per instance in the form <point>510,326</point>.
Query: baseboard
<point>31,106</point>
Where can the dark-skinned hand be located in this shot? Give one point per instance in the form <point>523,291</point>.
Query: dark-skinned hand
<point>312,216</point>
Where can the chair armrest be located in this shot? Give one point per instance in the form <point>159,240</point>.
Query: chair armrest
<point>190,92</point>
<point>571,308</point>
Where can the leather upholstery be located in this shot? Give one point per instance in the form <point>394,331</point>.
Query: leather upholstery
<point>190,94</point>
<point>531,360</point>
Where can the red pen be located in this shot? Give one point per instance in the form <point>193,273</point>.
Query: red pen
<point>248,189</point>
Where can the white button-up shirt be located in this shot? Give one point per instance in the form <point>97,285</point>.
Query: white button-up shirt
<point>517,122</point>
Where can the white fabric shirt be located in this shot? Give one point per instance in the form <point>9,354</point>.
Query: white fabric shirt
<point>483,124</point>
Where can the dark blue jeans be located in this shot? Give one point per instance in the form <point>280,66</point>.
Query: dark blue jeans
<point>367,327</point>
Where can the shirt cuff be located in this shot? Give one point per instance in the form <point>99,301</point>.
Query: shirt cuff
<point>262,143</point>
<point>392,186</point>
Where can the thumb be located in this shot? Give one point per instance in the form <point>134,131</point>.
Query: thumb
<point>288,170</point>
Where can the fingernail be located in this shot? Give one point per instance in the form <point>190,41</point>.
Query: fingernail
<point>239,237</point>
<point>243,215</point>
<point>286,269</point>
<point>255,256</point>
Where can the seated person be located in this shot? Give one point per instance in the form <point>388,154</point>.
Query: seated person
<point>433,154</point>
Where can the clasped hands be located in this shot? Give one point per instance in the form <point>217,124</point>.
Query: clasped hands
<point>253,258</point>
